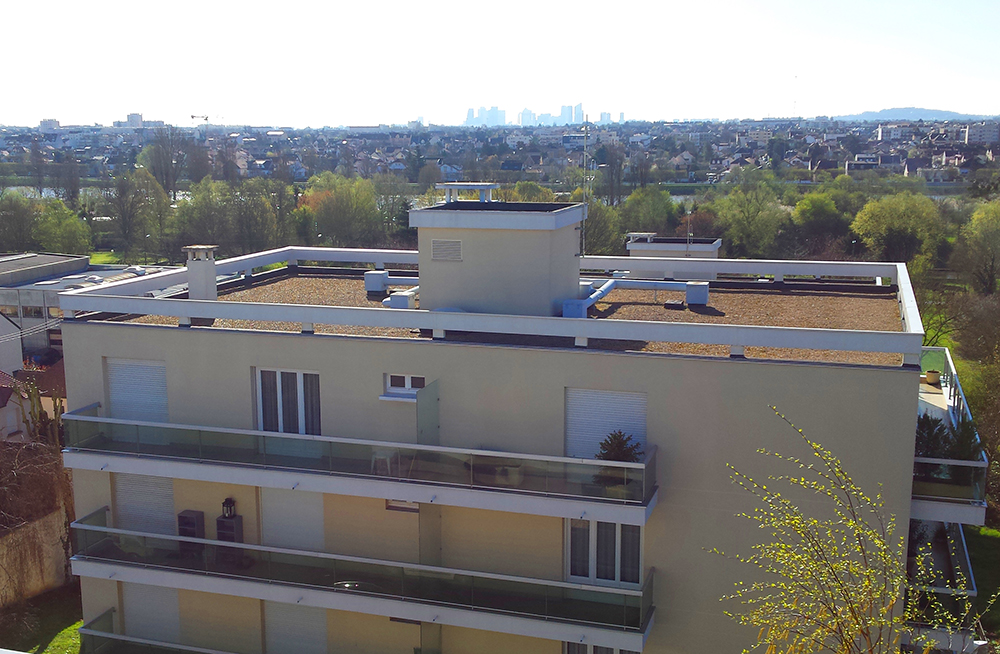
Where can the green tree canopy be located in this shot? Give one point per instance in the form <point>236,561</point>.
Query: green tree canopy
<point>18,215</point>
<point>817,215</point>
<point>60,230</point>
<point>900,227</point>
<point>978,254</point>
<point>602,229</point>
<point>649,210</point>
<point>752,217</point>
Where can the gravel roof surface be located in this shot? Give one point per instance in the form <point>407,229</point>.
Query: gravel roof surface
<point>783,308</point>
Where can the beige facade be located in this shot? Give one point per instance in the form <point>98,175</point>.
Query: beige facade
<point>527,272</point>
<point>703,413</point>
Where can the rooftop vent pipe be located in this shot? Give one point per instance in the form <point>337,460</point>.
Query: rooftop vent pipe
<point>201,279</point>
<point>201,272</point>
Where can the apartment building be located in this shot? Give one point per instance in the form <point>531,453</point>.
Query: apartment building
<point>401,457</point>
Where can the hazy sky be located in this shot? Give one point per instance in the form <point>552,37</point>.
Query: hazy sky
<point>358,62</point>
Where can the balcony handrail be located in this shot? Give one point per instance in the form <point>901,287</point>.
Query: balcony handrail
<point>953,462</point>
<point>632,592</point>
<point>597,463</point>
<point>955,387</point>
<point>90,631</point>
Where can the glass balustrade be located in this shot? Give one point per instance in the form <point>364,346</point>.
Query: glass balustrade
<point>562,476</point>
<point>605,607</point>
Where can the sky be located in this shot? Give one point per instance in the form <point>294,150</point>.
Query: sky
<point>351,62</point>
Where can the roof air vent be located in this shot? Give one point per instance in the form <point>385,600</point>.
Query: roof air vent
<point>446,250</point>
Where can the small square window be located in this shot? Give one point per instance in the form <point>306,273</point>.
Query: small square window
<point>32,312</point>
<point>416,382</point>
<point>9,310</point>
<point>55,312</point>
<point>397,381</point>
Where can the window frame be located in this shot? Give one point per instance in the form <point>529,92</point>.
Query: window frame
<point>407,389</point>
<point>300,399</point>
<point>592,577</point>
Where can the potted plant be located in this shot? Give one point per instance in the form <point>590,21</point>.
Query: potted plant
<point>933,377</point>
<point>617,446</point>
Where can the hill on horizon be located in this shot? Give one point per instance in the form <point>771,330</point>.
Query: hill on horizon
<point>910,113</point>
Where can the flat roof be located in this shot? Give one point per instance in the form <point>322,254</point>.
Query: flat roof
<point>86,277</point>
<point>470,205</point>
<point>810,307</point>
<point>18,268</point>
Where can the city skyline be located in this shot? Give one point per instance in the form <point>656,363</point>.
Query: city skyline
<point>756,59</point>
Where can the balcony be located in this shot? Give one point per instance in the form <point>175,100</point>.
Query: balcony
<point>947,489</point>
<point>617,617</point>
<point>98,637</point>
<point>407,465</point>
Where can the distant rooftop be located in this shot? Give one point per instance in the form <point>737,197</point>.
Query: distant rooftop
<point>19,268</point>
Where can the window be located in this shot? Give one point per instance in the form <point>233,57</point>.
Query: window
<point>9,310</point>
<point>55,312</point>
<point>605,552</point>
<point>581,648</point>
<point>403,384</point>
<point>32,312</point>
<point>288,401</point>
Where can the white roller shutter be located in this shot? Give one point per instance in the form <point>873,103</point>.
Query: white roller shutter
<point>294,629</point>
<point>137,390</point>
<point>292,519</point>
<point>145,503</point>
<point>592,415</point>
<point>151,612</point>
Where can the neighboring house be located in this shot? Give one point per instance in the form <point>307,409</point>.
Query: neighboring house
<point>11,427</point>
<point>11,356</point>
<point>394,478</point>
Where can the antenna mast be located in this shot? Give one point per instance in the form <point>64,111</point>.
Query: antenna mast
<point>586,187</point>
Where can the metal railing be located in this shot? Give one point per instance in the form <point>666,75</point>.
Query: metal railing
<point>606,607</point>
<point>590,479</point>
<point>98,637</point>
<point>945,479</point>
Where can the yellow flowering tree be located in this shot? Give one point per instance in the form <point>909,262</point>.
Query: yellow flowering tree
<point>837,582</point>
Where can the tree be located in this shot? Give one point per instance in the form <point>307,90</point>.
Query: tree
<point>817,215</point>
<point>752,218</point>
<point>204,218</point>
<point>429,175</point>
<point>69,180</point>
<point>60,230</point>
<point>252,215</point>
<point>17,222</point>
<point>196,163</point>
<point>978,254</point>
<point>649,210</point>
<point>38,167</point>
<point>134,200</point>
<point>611,159</point>
<point>836,583</point>
<point>899,227</point>
<point>165,158</point>
<point>533,192</point>
<point>392,200</point>
<point>602,229</point>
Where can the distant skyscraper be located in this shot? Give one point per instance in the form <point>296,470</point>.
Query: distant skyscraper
<point>578,114</point>
<point>527,118</point>
<point>566,115</point>
<point>135,120</point>
<point>546,120</point>
<point>605,118</point>
<point>621,117</point>
<point>470,118</point>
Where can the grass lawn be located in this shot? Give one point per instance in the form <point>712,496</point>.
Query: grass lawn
<point>984,552</point>
<point>104,257</point>
<point>58,615</point>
